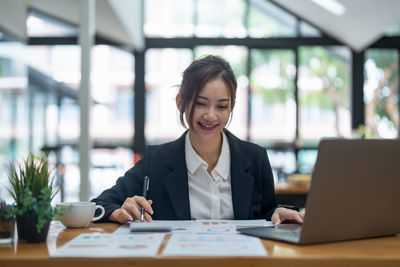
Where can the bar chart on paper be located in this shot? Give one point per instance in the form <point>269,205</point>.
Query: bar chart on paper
<point>110,246</point>
<point>214,245</point>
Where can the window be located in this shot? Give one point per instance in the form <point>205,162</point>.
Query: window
<point>169,18</point>
<point>394,30</point>
<point>14,134</point>
<point>60,62</point>
<point>217,18</point>
<point>107,166</point>
<point>308,31</point>
<point>282,162</point>
<point>38,117</point>
<point>306,159</point>
<point>267,20</point>
<point>273,108</point>
<point>68,128</point>
<point>112,92</point>
<point>381,95</point>
<point>324,94</point>
<point>164,69</point>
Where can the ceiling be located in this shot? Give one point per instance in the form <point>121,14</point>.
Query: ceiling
<point>362,24</point>
<point>116,20</point>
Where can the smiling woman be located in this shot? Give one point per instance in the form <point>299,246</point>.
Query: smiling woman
<point>207,173</point>
<point>207,105</point>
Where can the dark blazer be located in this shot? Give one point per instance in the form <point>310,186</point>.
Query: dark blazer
<point>252,182</point>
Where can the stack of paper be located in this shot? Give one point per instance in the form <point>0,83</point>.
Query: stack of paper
<point>189,238</point>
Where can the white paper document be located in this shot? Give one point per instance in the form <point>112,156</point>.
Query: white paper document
<point>250,223</point>
<point>99,245</point>
<point>186,226</point>
<point>196,227</point>
<point>227,226</point>
<point>214,245</point>
<point>162,226</point>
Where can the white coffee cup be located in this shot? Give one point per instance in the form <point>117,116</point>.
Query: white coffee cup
<point>78,214</point>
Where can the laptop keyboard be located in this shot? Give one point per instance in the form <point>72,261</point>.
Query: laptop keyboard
<point>287,233</point>
<point>276,233</point>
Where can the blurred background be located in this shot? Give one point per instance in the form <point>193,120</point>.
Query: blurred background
<point>306,70</point>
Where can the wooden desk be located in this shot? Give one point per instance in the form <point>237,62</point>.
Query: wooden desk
<point>368,252</point>
<point>291,188</point>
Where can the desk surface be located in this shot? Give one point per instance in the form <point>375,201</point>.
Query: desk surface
<point>291,188</point>
<point>369,252</point>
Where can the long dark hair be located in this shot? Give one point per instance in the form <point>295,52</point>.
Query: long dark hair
<point>197,75</point>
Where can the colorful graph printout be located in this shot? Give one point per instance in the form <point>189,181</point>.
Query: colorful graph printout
<point>110,246</point>
<point>214,245</point>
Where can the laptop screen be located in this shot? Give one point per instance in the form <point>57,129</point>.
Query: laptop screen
<point>354,191</point>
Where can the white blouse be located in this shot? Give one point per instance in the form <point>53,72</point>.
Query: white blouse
<point>210,196</point>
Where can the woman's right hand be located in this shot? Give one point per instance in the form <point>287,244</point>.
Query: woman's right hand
<point>131,209</point>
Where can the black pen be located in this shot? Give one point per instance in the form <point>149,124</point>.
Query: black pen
<point>145,189</point>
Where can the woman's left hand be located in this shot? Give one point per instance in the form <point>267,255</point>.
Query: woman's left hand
<point>283,214</point>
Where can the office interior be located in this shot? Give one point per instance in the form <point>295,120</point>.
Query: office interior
<point>305,71</point>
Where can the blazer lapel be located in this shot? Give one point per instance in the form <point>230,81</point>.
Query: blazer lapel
<point>241,182</point>
<point>176,182</point>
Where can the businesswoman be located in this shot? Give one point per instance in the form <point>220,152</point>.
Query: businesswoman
<point>207,173</point>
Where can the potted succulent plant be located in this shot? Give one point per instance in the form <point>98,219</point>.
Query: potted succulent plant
<point>6,221</point>
<point>32,189</point>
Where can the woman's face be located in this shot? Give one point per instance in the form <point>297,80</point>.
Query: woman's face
<point>211,112</point>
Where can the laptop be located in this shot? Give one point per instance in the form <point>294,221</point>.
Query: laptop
<point>354,194</point>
